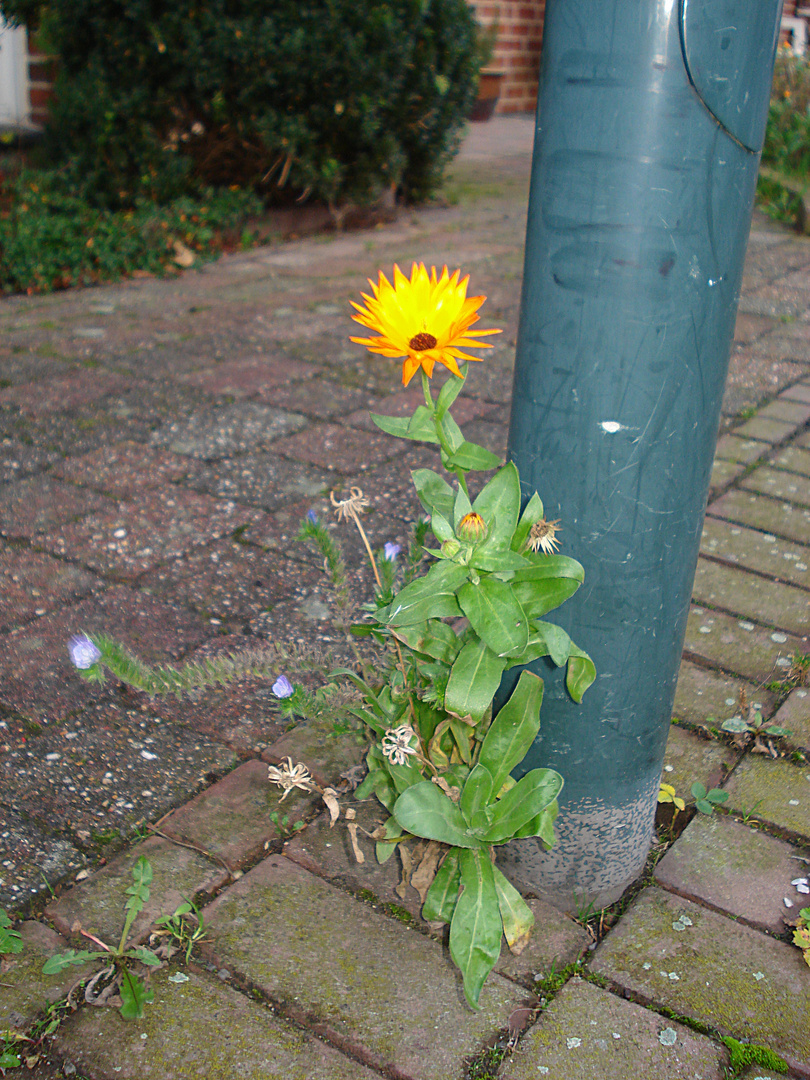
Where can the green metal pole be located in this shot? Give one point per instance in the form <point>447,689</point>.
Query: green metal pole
<point>651,117</point>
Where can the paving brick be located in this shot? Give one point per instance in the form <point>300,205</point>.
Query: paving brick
<point>733,448</point>
<point>231,819</point>
<point>31,860</point>
<point>225,1036</point>
<point>258,479</point>
<point>124,470</point>
<point>689,758</point>
<point>367,983</point>
<point>34,506</point>
<point>31,584</point>
<point>587,1033</point>
<point>161,524</point>
<point>754,550</point>
<point>97,904</point>
<point>772,516</point>
<point>26,991</point>
<point>324,399</point>
<point>793,459</point>
<point>791,412</point>
<point>344,450</point>
<point>739,645</point>
<point>729,976</point>
<point>232,429</point>
<point>789,487</point>
<point>734,868</point>
<point>247,377</point>
<point>794,713</point>
<point>724,473</point>
<point>59,395</point>
<point>555,941</point>
<point>703,694</point>
<point>18,459</point>
<point>799,392</point>
<point>327,753</point>
<point>750,595</point>
<point>771,431</point>
<point>777,792</point>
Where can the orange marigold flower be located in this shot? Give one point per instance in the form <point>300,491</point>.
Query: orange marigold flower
<point>425,319</point>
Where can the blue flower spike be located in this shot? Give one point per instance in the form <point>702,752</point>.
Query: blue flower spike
<point>282,687</point>
<point>83,653</point>
<point>391,550</point>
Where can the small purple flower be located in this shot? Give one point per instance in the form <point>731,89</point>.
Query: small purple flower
<point>282,687</point>
<point>312,516</point>
<point>391,550</point>
<point>83,653</point>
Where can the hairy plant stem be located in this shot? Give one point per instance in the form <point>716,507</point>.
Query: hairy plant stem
<point>440,435</point>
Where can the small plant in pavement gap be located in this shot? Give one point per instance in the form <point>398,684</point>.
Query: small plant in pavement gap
<point>117,974</point>
<point>442,757</point>
<point>706,801</point>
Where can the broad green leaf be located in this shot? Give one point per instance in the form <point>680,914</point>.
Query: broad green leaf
<point>499,503</point>
<point>516,915</point>
<point>581,673</point>
<point>474,678</point>
<point>495,615</point>
<point>9,1060</point>
<point>146,956</point>
<point>392,425</point>
<point>434,492</point>
<point>134,995</point>
<point>440,901</point>
<point>496,559</point>
<point>385,848</point>
<point>539,597</point>
<point>475,931</point>
<point>441,745</point>
<point>452,432</point>
<point>461,736</point>
<point>532,513</point>
<point>426,811</point>
<point>448,394</point>
<point>551,566</point>
<point>558,642</point>
<point>776,731</point>
<point>60,961</point>
<point>442,529</point>
<point>735,724</point>
<point>461,507</point>
<point>441,642</point>
<point>535,648</point>
<point>431,596</point>
<point>471,456</point>
<point>10,940</point>
<point>532,794</point>
<point>513,730</point>
<point>477,792</point>
<point>421,426</point>
<point>405,776</point>
<point>542,825</point>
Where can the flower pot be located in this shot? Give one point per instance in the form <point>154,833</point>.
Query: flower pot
<point>489,90</point>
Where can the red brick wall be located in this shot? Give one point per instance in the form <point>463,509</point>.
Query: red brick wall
<point>517,52</point>
<point>41,74</point>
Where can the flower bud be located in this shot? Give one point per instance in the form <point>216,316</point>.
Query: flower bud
<point>472,527</point>
<point>450,548</point>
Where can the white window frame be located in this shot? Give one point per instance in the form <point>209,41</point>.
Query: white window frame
<point>15,100</point>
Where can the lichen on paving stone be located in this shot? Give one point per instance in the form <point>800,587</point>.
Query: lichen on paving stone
<point>775,791</point>
<point>26,991</point>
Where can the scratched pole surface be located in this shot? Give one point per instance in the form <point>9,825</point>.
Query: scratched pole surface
<point>651,118</point>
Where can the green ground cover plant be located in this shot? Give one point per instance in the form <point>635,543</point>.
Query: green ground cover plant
<point>786,150</point>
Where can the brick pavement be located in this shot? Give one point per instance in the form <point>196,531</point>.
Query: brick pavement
<point>159,442</point>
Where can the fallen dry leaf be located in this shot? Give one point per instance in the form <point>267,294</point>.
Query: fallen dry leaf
<point>422,877</point>
<point>183,256</point>
<point>330,798</point>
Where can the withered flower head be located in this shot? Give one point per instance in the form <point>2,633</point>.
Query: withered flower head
<point>543,536</point>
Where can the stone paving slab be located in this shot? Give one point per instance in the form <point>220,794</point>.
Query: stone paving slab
<point>756,652</point>
<point>772,516</point>
<point>777,792</point>
<point>62,394</point>
<point>231,819</point>
<point>724,473</point>
<point>779,485</point>
<point>771,431</point>
<point>343,450</point>
<point>231,429</point>
<point>247,377</point>
<point>363,981</point>
<point>689,758</point>
<point>587,1033</point>
<point>758,551</point>
<point>732,868</point>
<point>26,991</point>
<point>713,970</point>
<point>260,479</point>
<point>746,451</point>
<point>199,1028</point>
<point>31,860</point>
<point>792,412</point>
<point>793,459</point>
<point>327,753</point>
<point>799,392</point>
<point>124,470</point>
<point>702,693</point>
<point>784,607</point>
<point>32,584</point>
<point>794,713</point>
<point>97,904</point>
<point>32,507</point>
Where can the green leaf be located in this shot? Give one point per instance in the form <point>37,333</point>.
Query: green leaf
<point>581,673</point>
<point>513,730</point>
<point>10,940</point>
<point>434,492</point>
<point>461,507</point>
<point>442,529</point>
<point>422,426</point>
<point>146,956</point>
<point>735,724</point>
<point>516,915</point>
<point>704,806</point>
<point>541,826</point>
<point>60,961</point>
<point>134,995</point>
<point>385,848</point>
<point>717,796</point>
<point>531,514</point>
<point>551,566</point>
<point>440,901</point>
<point>776,732</point>
<point>495,559</point>
<point>404,776</point>
<point>499,502</point>
<point>477,792</point>
<point>448,394</point>
<point>9,1060</point>
<point>698,790</point>
<point>475,931</point>
<point>426,811</point>
<point>471,456</point>
<point>532,794</point>
<point>474,678</point>
<point>540,596</point>
<point>394,425</point>
<point>431,596</point>
<point>452,432</point>
<point>558,642</point>
<point>495,615</point>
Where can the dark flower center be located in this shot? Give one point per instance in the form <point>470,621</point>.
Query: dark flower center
<point>422,342</point>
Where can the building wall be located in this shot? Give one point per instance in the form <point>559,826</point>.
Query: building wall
<point>517,52</point>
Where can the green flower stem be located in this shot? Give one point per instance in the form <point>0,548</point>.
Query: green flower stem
<point>448,453</point>
<point>426,390</point>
